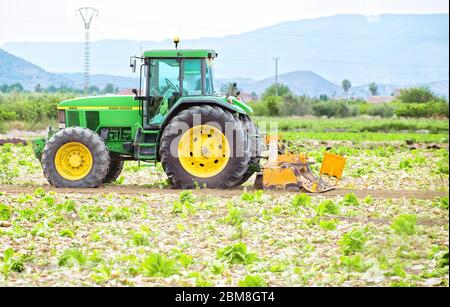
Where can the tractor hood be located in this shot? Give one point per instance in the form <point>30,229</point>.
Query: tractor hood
<point>100,103</point>
<point>128,103</point>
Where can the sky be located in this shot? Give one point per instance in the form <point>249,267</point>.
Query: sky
<point>57,20</point>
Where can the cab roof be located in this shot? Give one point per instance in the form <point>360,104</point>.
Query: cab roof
<point>181,53</point>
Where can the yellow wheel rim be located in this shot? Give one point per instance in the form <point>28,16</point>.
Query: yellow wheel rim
<point>73,161</point>
<point>204,151</point>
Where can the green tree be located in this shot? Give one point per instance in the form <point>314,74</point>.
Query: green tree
<point>273,105</point>
<point>346,85</point>
<point>323,97</point>
<point>108,89</point>
<point>38,88</point>
<point>373,88</point>
<point>416,95</point>
<point>93,89</point>
<point>283,90</point>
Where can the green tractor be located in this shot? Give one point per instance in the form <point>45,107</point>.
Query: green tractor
<point>200,138</point>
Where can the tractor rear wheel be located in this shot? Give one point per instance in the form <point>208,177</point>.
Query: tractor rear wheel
<point>255,144</point>
<point>198,149</point>
<point>75,158</point>
<point>115,169</point>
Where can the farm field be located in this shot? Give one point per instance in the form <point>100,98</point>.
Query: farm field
<point>386,225</point>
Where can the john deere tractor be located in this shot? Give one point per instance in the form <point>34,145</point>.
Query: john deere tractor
<point>174,117</point>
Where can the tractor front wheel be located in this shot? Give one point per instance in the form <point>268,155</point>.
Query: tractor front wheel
<point>205,146</point>
<point>115,169</point>
<point>75,158</point>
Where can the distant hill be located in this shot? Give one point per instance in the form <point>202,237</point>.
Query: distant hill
<point>101,80</point>
<point>390,49</point>
<point>17,70</point>
<point>299,82</point>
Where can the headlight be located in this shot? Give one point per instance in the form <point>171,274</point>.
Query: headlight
<point>61,119</point>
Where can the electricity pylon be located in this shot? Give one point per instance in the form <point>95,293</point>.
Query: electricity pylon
<point>87,14</point>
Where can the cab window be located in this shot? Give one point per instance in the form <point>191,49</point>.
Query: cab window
<point>192,77</point>
<point>164,76</point>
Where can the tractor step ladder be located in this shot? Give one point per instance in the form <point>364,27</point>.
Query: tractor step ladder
<point>143,148</point>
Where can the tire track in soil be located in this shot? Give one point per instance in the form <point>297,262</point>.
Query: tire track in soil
<point>136,190</point>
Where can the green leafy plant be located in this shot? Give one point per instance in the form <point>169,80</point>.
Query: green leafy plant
<point>157,265</point>
<point>301,200</point>
<point>39,192</point>
<point>234,216</point>
<point>352,241</point>
<point>40,230</point>
<point>101,274</point>
<point>186,201</point>
<point>277,266</point>
<point>121,214</point>
<point>8,172</point>
<point>252,281</point>
<point>397,270</point>
<point>253,197</point>
<point>5,212</point>
<point>187,197</point>
<point>368,200</point>
<point>10,263</point>
<point>71,257</point>
<point>443,262</point>
<point>184,260</point>
<point>406,164</point>
<point>353,263</point>
<point>405,224</point>
<point>67,233</point>
<point>217,268</point>
<point>236,254</point>
<point>327,207</point>
<point>441,202</point>
<point>140,239</point>
<point>328,225</point>
<point>350,200</point>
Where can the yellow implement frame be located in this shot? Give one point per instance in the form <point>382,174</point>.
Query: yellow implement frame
<point>292,171</point>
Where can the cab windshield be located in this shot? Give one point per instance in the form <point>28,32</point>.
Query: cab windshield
<point>164,77</point>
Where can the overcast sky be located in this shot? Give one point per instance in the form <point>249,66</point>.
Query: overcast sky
<point>56,20</point>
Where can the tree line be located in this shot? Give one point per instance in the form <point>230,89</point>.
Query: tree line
<point>92,90</point>
<point>278,100</point>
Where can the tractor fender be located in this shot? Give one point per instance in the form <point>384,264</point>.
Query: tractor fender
<point>184,104</point>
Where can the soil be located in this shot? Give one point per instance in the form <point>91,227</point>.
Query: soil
<point>135,190</point>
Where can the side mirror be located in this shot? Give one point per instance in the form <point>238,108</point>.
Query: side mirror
<point>134,91</point>
<point>133,65</point>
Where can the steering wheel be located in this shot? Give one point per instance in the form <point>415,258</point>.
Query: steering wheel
<point>171,85</point>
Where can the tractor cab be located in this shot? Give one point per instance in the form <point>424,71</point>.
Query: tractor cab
<point>167,76</point>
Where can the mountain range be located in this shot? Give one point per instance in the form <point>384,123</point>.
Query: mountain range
<point>17,70</point>
<point>388,49</point>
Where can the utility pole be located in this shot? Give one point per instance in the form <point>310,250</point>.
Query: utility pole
<point>276,75</point>
<point>87,14</point>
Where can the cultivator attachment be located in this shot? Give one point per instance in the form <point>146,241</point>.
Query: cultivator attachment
<point>289,171</point>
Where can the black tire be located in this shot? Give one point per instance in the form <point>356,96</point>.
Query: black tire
<point>255,145</point>
<point>97,148</point>
<point>237,164</point>
<point>115,169</point>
